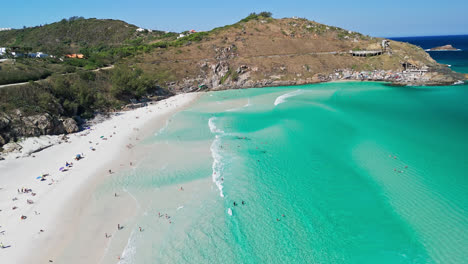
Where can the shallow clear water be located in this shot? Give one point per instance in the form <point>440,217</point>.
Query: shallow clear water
<point>362,172</point>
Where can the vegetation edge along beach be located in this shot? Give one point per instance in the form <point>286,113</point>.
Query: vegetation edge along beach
<point>258,51</point>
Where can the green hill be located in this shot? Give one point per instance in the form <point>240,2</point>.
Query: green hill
<point>74,34</point>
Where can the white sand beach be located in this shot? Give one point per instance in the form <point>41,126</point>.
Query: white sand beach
<point>37,225</point>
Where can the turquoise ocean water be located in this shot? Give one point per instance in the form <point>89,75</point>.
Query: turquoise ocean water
<point>362,172</point>
<point>353,172</point>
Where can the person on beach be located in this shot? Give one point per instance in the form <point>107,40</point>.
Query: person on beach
<point>140,228</point>
<point>118,226</point>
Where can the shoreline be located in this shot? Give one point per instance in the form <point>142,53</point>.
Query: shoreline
<point>59,199</point>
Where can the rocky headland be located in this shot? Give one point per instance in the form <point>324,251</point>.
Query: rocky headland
<point>258,51</point>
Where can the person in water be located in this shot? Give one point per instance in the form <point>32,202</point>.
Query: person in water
<point>243,203</point>
<point>234,203</point>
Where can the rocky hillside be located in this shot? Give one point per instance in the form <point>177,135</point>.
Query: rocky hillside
<point>263,51</point>
<point>257,51</point>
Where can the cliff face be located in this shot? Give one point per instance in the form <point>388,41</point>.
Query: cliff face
<point>268,52</point>
<point>16,125</point>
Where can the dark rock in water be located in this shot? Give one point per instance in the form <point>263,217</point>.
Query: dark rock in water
<point>70,125</point>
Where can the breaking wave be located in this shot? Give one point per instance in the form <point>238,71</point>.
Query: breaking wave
<point>217,166</point>
<point>282,98</point>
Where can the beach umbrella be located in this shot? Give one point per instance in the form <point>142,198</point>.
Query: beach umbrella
<point>61,168</point>
<point>39,177</point>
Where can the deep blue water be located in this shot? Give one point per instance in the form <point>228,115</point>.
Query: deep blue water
<point>457,59</point>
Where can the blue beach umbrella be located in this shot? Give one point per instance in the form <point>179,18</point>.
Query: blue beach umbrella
<point>61,168</point>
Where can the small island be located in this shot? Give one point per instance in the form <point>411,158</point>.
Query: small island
<point>444,48</point>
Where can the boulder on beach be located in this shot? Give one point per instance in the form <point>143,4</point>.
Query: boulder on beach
<point>70,125</point>
<point>11,147</point>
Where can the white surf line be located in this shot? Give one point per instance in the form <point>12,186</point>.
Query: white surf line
<point>282,98</point>
<point>130,248</point>
<point>109,241</point>
<point>129,251</point>
<point>113,234</point>
<point>161,130</point>
<point>216,167</point>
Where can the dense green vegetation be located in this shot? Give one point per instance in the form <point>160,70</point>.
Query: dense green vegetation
<point>23,70</point>
<point>102,41</point>
<point>69,35</point>
<point>255,16</point>
<point>80,94</point>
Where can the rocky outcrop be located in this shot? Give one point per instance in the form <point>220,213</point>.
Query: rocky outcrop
<point>70,125</point>
<point>443,48</point>
<point>226,69</point>
<point>11,147</point>
<point>16,125</point>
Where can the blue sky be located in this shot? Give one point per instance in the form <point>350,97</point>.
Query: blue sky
<point>377,18</point>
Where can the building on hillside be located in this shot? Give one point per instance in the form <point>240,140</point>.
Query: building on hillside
<point>192,31</point>
<point>2,51</point>
<point>37,55</point>
<point>75,56</point>
<point>5,29</point>
<point>140,29</point>
<point>17,54</point>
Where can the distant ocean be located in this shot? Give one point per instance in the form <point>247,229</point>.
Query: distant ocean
<point>458,60</point>
<point>353,172</point>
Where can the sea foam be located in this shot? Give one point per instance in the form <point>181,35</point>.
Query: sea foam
<point>129,252</point>
<point>217,166</point>
<point>282,98</point>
